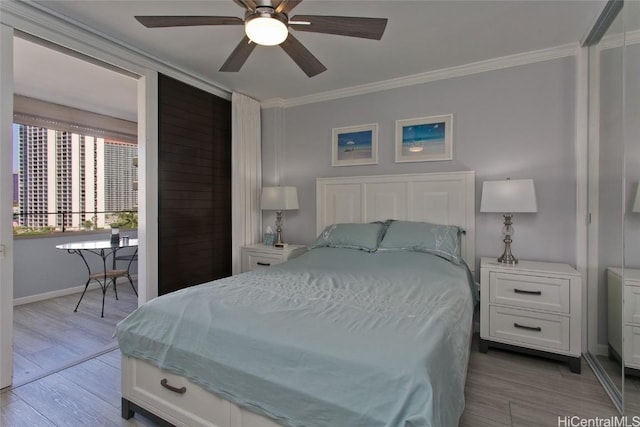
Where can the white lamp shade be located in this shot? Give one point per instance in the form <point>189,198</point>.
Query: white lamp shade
<point>279,198</point>
<point>266,31</point>
<point>508,196</point>
<point>636,202</point>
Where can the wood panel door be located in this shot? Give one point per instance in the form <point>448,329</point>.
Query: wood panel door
<point>194,176</point>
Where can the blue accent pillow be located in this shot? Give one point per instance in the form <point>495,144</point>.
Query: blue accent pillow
<point>437,239</point>
<point>365,237</point>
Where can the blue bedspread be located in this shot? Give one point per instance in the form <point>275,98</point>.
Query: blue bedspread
<point>334,338</point>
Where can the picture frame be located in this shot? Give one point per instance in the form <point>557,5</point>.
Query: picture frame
<point>424,139</point>
<point>355,145</point>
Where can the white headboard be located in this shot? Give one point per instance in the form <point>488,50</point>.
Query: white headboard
<point>440,198</point>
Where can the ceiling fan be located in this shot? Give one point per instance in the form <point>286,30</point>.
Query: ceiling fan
<point>267,23</point>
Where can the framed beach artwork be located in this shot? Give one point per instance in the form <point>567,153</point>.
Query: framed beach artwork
<point>424,139</point>
<point>355,145</point>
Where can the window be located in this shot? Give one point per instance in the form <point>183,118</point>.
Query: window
<point>93,180</point>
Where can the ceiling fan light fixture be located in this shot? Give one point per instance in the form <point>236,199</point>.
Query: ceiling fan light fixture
<point>266,29</point>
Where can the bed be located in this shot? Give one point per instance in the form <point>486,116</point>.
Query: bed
<point>337,337</point>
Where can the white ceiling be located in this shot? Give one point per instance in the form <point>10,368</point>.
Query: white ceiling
<point>421,36</point>
<point>49,75</point>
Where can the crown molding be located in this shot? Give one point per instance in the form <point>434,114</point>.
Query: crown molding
<point>273,103</point>
<point>524,58</point>
<point>619,40</point>
<point>37,20</point>
<point>632,37</point>
<point>611,42</point>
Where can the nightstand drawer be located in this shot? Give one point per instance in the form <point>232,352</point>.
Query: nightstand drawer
<point>529,328</point>
<point>631,346</point>
<point>530,291</point>
<point>257,261</point>
<point>258,256</point>
<point>632,304</point>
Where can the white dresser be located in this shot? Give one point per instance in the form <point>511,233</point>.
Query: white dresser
<point>534,307</point>
<point>255,257</point>
<point>624,322</point>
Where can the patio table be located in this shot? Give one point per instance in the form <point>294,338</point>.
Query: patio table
<point>104,249</point>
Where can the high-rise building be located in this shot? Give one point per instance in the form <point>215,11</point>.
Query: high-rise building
<point>34,177</point>
<point>16,191</point>
<point>61,198</point>
<point>66,179</point>
<point>119,175</point>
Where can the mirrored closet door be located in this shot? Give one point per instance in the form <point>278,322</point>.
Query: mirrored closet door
<point>606,178</point>
<point>631,227</point>
<point>613,303</point>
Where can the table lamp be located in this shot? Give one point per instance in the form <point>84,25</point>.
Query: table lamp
<point>279,199</point>
<point>508,197</point>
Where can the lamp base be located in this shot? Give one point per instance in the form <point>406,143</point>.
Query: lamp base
<point>507,257</point>
<point>279,242</point>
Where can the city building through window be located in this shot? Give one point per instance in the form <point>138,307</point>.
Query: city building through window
<point>66,181</point>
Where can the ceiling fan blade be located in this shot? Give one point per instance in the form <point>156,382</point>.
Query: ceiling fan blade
<point>247,4</point>
<point>285,6</point>
<point>239,56</point>
<point>187,21</point>
<point>366,28</point>
<point>301,56</point>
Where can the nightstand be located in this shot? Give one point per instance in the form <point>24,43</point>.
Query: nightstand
<point>532,307</point>
<point>255,257</point>
<point>624,319</point>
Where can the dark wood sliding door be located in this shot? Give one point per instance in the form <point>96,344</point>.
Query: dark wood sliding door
<point>194,186</point>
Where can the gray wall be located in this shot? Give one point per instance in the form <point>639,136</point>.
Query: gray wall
<point>517,122</point>
<point>38,267</point>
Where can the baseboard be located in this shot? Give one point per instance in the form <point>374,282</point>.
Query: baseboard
<point>53,294</point>
<point>602,349</point>
<point>59,293</point>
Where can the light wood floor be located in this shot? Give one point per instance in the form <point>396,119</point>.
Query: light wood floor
<point>48,334</point>
<point>84,395</point>
<point>508,389</point>
<point>630,384</point>
<point>502,389</point>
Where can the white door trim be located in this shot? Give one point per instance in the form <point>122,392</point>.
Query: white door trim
<point>6,200</point>
<point>582,177</point>
<point>594,200</point>
<point>148,186</point>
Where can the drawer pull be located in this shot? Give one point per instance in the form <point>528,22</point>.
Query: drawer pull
<point>520,291</point>
<point>164,383</point>
<point>529,328</point>
<point>264,264</point>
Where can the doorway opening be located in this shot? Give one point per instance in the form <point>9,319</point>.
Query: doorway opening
<point>75,179</point>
